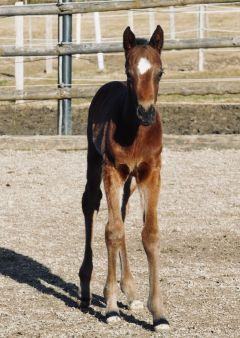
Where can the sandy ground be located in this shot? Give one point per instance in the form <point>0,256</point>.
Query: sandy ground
<point>42,234</point>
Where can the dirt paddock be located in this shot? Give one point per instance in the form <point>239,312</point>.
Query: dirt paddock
<point>42,234</point>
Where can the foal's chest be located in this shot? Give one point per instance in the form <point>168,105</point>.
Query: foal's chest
<point>137,160</point>
<point>140,156</point>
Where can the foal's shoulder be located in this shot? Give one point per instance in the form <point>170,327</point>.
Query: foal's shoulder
<point>107,98</point>
<point>106,102</point>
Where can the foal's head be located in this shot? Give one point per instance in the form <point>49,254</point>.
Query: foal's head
<point>144,71</point>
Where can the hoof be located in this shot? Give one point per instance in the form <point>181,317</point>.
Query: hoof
<point>112,317</point>
<point>84,301</point>
<point>161,325</point>
<point>136,305</point>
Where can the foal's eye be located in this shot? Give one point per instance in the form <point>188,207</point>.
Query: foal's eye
<point>160,74</point>
<point>129,76</point>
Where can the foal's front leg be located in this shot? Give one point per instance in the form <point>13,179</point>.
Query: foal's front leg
<point>127,284</point>
<point>90,206</point>
<point>150,236</point>
<point>114,236</point>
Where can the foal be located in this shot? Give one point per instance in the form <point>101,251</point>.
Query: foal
<point>125,141</point>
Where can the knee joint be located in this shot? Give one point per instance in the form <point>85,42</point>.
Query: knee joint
<point>114,234</point>
<point>150,239</point>
<point>91,200</point>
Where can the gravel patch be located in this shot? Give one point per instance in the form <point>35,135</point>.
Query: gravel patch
<point>42,238</point>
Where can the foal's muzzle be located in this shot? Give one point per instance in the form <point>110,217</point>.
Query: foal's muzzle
<point>146,117</point>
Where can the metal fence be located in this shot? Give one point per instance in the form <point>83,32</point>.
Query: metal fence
<point>65,48</point>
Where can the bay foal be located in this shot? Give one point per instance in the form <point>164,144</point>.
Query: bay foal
<point>125,141</point>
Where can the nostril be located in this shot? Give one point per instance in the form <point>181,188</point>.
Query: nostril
<point>141,110</point>
<point>151,110</point>
<point>146,115</point>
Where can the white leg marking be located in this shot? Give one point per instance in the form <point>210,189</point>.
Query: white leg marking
<point>121,195</point>
<point>136,305</point>
<point>143,199</point>
<point>113,319</point>
<point>161,327</point>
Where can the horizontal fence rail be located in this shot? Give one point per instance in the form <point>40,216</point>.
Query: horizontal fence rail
<point>93,48</point>
<point>167,87</point>
<point>30,2</point>
<point>99,6</point>
<point>174,87</point>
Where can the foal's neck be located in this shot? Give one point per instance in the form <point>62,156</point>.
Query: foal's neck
<point>128,124</point>
<point>129,116</point>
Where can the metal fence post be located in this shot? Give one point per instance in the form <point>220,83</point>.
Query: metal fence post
<point>65,73</point>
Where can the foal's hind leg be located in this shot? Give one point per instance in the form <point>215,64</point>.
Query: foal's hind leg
<point>127,282</point>
<point>90,206</point>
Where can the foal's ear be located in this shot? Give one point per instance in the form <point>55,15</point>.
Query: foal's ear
<point>129,40</point>
<point>157,39</point>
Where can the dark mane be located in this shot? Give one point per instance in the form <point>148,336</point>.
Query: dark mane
<point>141,41</point>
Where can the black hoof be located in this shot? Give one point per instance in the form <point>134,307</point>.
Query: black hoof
<point>84,303</point>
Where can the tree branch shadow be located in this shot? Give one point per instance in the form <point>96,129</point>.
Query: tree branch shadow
<point>24,269</point>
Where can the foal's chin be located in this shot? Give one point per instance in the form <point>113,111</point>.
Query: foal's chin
<point>146,123</point>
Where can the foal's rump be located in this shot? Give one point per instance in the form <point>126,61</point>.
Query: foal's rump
<point>107,103</point>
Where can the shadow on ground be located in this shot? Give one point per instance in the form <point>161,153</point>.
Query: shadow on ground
<point>24,269</point>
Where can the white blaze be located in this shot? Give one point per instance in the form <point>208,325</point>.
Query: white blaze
<point>144,65</point>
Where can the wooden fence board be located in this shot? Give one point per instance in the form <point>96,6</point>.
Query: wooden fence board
<point>98,6</point>
<point>176,87</point>
<point>93,48</point>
